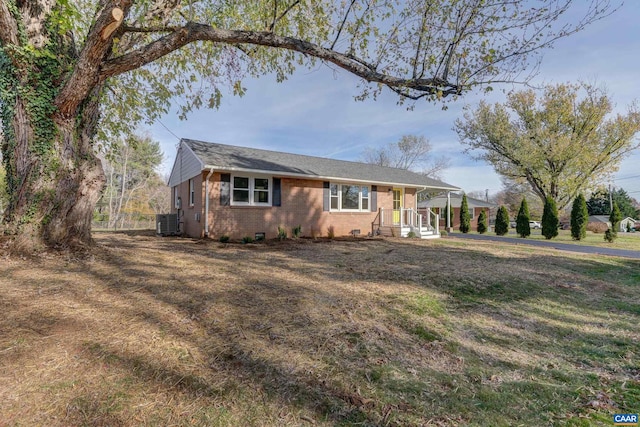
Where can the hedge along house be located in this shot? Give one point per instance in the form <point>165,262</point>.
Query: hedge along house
<point>237,191</point>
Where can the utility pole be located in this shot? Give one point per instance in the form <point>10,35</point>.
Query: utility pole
<point>610,200</point>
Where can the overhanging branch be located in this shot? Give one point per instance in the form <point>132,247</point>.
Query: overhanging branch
<point>198,32</point>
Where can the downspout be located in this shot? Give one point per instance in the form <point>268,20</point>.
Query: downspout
<point>206,203</point>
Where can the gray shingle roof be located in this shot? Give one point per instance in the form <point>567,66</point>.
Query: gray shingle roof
<point>456,202</point>
<point>234,158</point>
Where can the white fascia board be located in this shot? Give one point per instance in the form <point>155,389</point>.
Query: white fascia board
<point>324,178</point>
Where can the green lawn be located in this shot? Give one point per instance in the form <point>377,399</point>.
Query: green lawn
<point>629,241</point>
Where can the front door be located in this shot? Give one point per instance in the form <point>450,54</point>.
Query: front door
<point>397,205</point>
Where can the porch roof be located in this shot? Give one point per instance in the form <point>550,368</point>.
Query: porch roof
<point>456,202</point>
<point>230,158</point>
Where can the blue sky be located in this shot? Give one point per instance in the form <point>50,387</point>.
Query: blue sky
<point>314,113</point>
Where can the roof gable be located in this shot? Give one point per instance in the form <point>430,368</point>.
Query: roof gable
<point>231,158</point>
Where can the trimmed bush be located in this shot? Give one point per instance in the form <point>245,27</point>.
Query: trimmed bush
<point>296,231</point>
<point>502,221</point>
<point>247,239</point>
<point>550,220</point>
<point>465,218</point>
<point>522,221</point>
<point>224,238</point>
<point>579,218</point>
<point>609,236</point>
<point>482,222</point>
<point>614,218</point>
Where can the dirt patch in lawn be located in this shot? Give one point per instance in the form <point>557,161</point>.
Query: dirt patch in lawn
<point>168,331</point>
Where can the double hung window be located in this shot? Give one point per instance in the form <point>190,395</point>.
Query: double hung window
<point>250,191</point>
<point>349,197</point>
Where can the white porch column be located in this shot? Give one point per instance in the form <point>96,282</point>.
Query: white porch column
<point>448,210</point>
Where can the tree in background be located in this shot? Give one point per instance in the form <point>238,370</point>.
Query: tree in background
<point>482,222</point>
<point>75,74</point>
<point>522,221</point>
<point>412,153</point>
<point>560,143</point>
<point>159,195</point>
<point>615,218</point>
<point>130,178</point>
<point>579,218</point>
<point>502,221</point>
<point>550,220</point>
<point>511,196</point>
<point>598,203</point>
<point>465,218</point>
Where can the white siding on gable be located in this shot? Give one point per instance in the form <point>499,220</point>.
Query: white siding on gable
<point>186,166</point>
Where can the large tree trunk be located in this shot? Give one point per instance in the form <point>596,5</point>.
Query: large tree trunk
<point>57,184</point>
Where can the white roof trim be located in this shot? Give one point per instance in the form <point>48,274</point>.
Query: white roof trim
<point>319,177</point>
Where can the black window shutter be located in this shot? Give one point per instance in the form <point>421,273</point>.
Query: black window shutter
<point>374,198</point>
<point>277,192</point>
<point>326,193</point>
<point>225,189</point>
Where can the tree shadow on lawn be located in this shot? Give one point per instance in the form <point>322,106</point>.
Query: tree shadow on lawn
<point>251,329</point>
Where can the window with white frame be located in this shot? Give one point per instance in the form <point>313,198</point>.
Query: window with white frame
<point>192,193</point>
<point>471,212</point>
<point>176,197</point>
<point>251,191</point>
<point>349,197</point>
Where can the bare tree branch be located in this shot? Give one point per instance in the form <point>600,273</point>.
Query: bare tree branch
<point>198,32</point>
<point>282,15</point>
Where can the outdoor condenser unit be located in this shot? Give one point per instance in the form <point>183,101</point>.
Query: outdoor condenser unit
<point>167,224</point>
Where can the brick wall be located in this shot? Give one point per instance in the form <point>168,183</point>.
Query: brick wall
<point>189,223</point>
<point>302,201</point>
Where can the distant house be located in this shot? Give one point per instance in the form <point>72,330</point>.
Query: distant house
<point>627,223</point>
<point>438,205</point>
<point>236,191</point>
<point>597,221</point>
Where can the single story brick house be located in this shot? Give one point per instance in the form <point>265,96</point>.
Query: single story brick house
<point>599,222</point>
<point>219,189</point>
<point>438,205</point>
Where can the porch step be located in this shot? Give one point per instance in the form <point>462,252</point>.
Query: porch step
<point>423,235</point>
<point>404,232</point>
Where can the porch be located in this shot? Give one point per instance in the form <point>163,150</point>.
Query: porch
<point>401,222</point>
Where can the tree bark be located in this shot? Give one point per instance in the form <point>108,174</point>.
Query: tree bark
<point>55,192</point>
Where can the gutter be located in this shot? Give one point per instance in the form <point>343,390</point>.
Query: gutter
<point>331,178</point>
<point>206,203</point>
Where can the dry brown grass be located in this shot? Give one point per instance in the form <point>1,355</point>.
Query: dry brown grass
<point>164,331</point>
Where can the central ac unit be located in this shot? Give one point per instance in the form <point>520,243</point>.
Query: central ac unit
<point>167,224</point>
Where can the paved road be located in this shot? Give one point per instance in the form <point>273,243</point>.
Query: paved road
<point>551,244</point>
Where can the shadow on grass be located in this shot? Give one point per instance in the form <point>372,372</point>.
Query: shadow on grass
<point>380,332</point>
